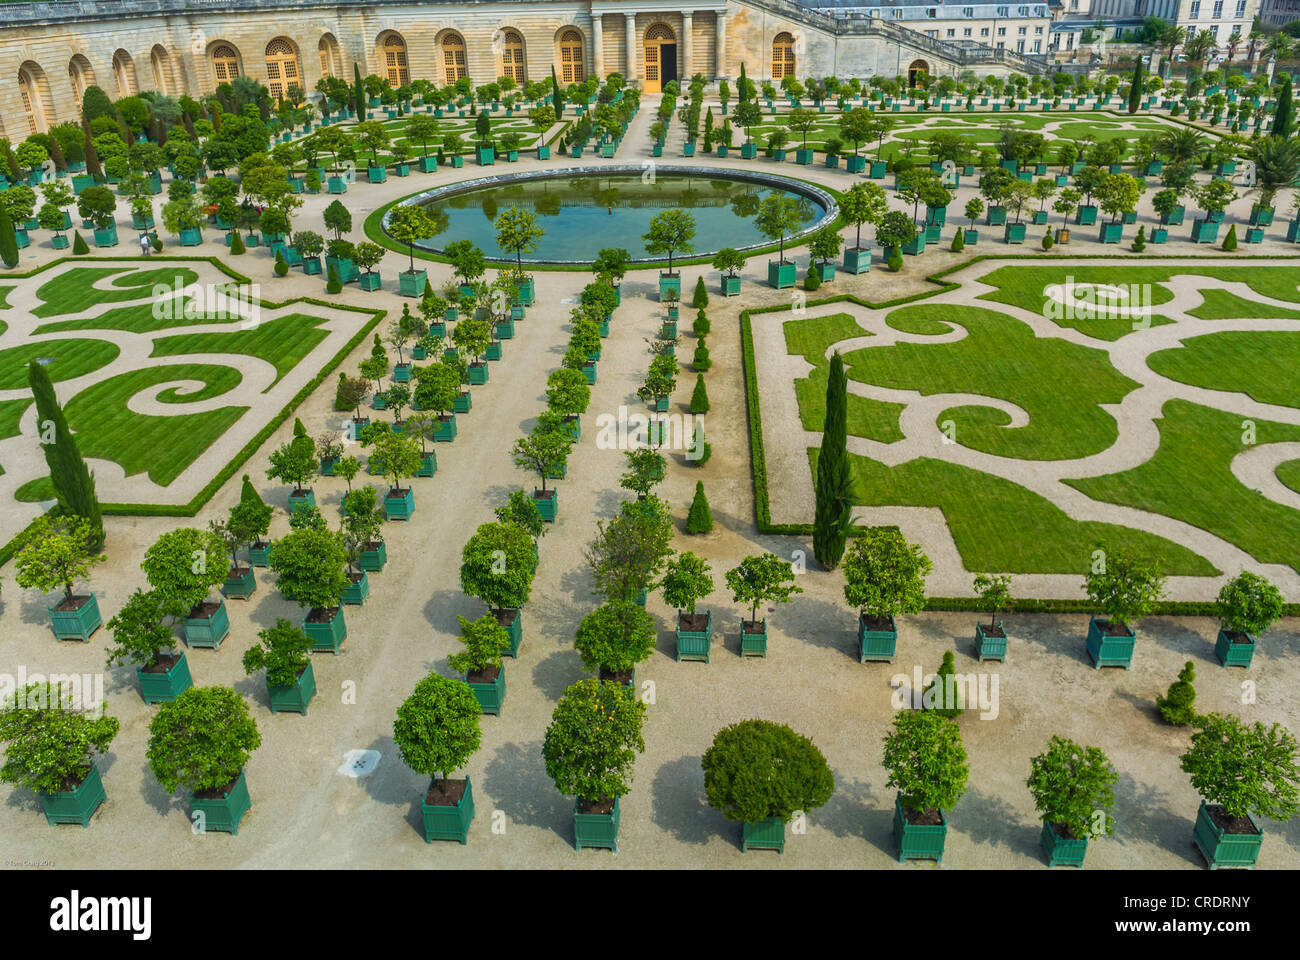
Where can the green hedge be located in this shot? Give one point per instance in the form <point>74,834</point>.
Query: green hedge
<point>1167,608</point>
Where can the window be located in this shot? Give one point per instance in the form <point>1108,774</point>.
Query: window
<point>1241,8</point>
<point>1218,9</point>
<point>1002,31</point>
<point>1000,44</point>
<point>1002,11</point>
<point>1022,31</point>
<point>395,69</point>
<point>932,34</point>
<point>896,13</point>
<point>1195,11</point>
<point>224,63</point>
<point>1020,46</point>
<point>931,13</point>
<point>952,33</point>
<point>281,67</point>
<point>966,32</point>
<point>970,11</point>
<point>512,56</point>
<point>453,59</point>
<point>782,56</point>
<point>1024,11</point>
<point>984,31</point>
<point>571,57</point>
<point>1191,32</point>
<point>1037,43</point>
<point>1038,31</point>
<point>1214,31</point>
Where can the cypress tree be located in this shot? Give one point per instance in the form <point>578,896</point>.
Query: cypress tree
<point>74,484</point>
<point>1135,89</point>
<point>1284,113</point>
<point>557,98</point>
<point>8,240</point>
<point>700,396</point>
<point>359,93</point>
<point>700,519</point>
<point>833,510</point>
<point>92,156</point>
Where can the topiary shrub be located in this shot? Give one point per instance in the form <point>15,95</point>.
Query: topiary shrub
<point>959,241</point>
<point>333,286</point>
<point>701,298</point>
<point>1230,241</point>
<point>700,396</point>
<point>281,267</point>
<point>700,519</point>
<point>943,696</point>
<point>701,361</point>
<point>155,243</point>
<point>896,262</point>
<point>1047,240</point>
<point>1177,705</point>
<point>78,244</point>
<point>237,245</point>
<point>812,281</point>
<point>757,769</point>
<point>701,325</point>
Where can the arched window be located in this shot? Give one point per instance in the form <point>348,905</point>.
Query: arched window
<point>512,57</point>
<point>394,53</point>
<point>81,75</point>
<point>282,68</point>
<point>658,65</point>
<point>161,66</point>
<point>225,63</point>
<point>124,72</point>
<point>453,58</point>
<point>571,70</point>
<point>28,86</point>
<point>782,56</point>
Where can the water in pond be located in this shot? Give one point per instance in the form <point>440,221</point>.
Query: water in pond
<point>581,215</point>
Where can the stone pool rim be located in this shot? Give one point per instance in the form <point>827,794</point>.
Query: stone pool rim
<point>759,178</point>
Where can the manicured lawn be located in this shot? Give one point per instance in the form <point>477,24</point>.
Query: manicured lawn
<point>73,291</point>
<point>1025,287</point>
<point>71,358</point>
<point>999,526</point>
<point>1260,364</point>
<point>4,294</point>
<point>282,342</point>
<point>135,318</point>
<point>1059,385</point>
<point>1190,479</point>
<point>1222,305</point>
<point>11,411</point>
<point>1289,474</point>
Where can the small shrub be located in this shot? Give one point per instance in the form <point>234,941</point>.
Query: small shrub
<point>1140,241</point>
<point>700,396</point>
<point>237,245</point>
<point>896,262</point>
<point>701,360</point>
<point>1230,241</point>
<point>700,519</point>
<point>1047,240</point>
<point>333,286</point>
<point>812,281</point>
<point>281,267</point>
<point>701,298</point>
<point>958,241</point>
<point>701,325</point>
<point>1177,705</point>
<point>79,244</point>
<point>155,243</point>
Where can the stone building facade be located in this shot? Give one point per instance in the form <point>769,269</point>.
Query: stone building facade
<point>54,50</point>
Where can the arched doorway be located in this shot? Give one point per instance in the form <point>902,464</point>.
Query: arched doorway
<point>282,68</point>
<point>512,56</point>
<point>392,50</point>
<point>35,91</point>
<point>660,57</point>
<point>572,69</point>
<point>782,56</point>
<point>916,71</point>
<point>453,58</point>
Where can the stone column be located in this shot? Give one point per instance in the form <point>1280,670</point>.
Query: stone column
<point>632,72</point>
<point>686,72</point>
<point>720,67</point>
<point>598,40</point>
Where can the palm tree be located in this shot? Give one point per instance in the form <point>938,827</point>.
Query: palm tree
<point>1234,41</point>
<point>1171,36</point>
<point>1200,48</point>
<point>1181,145</point>
<point>1277,160</point>
<point>1277,47</point>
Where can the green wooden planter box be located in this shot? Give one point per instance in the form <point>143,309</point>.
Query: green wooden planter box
<point>855,164</point>
<point>78,624</point>
<point>1159,235</point>
<point>1222,849</point>
<point>513,620</point>
<point>165,686</point>
<point>311,266</point>
<point>208,631</point>
<point>240,587</point>
<point>916,246</point>
<point>1109,651</point>
<point>410,283</point>
<point>357,591</point>
<point>767,834</point>
<point>997,217</point>
<point>259,554</point>
<point>298,501</point>
<point>1014,233</point>
<point>1040,218</point>
<point>139,222</point>
<point>294,699</point>
<point>1111,233</point>
<point>448,822</point>
<point>428,465</point>
<point>547,506</point>
<point>668,330</point>
<point>75,806</point>
<point>373,561</point>
<point>1062,851</point>
<point>1254,234</point>
<point>781,274</point>
<point>337,185</point>
<point>753,644</point>
<point>918,841</point>
<point>427,164</point>
<point>1129,217</point>
<point>347,269</point>
<point>1261,216</point>
<point>876,644</point>
<point>377,174</point>
<point>599,830</point>
<point>59,242</point>
<point>1086,216</point>
<point>491,696</point>
<point>857,261</point>
<point>1204,231</point>
<point>671,282</point>
<point>463,403</point>
<point>989,648</point>
<point>826,272</point>
<point>1174,219</point>
<point>972,236</point>
<point>730,286</point>
<point>695,644</point>
<point>399,506</point>
<point>478,374</point>
<point>1234,654</point>
<point>589,371</point>
<point>445,431</point>
<point>329,635</point>
<point>1214,216</point>
<point>222,815</point>
<point>493,350</point>
<point>327,466</point>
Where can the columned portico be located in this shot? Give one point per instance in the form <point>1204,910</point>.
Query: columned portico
<point>687,62</point>
<point>720,58</point>
<point>598,41</point>
<point>632,72</point>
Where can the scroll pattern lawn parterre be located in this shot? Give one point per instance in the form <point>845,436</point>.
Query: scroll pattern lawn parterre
<point>1025,431</point>
<point>162,404</point>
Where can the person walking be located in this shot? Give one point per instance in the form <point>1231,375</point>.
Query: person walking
<point>144,244</point>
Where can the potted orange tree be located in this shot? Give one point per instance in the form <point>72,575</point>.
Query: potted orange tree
<point>50,743</point>
<point>760,773</point>
<point>1247,605</point>
<point>282,653</point>
<point>183,565</point>
<point>1071,786</point>
<point>884,576</point>
<point>613,639</point>
<point>485,640</point>
<point>57,552</point>
<point>201,742</point>
<point>308,564</point>
<point>754,581</point>
<point>436,732</point>
<point>927,766</point>
<point>497,565</point>
<point>995,592</point>
<point>685,582</point>
<point>1126,588</point>
<point>589,749</point>
<point>141,637</point>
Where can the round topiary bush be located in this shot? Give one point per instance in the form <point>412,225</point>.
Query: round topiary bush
<point>896,262</point>
<point>811,281</point>
<point>757,769</point>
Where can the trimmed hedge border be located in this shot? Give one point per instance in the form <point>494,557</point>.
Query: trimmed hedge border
<point>1163,608</point>
<point>232,466</point>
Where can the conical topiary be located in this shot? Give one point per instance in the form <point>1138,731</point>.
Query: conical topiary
<point>1177,706</point>
<point>701,361</point>
<point>701,325</point>
<point>333,285</point>
<point>700,519</point>
<point>701,298</point>
<point>958,241</point>
<point>237,245</point>
<point>700,396</point>
<point>942,695</point>
<point>281,266</point>
<point>78,244</point>
<point>1230,241</point>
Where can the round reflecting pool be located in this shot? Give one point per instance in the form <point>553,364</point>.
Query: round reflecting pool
<point>584,209</point>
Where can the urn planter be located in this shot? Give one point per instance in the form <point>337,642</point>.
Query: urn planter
<point>767,834</point>
<point>988,644</point>
<point>489,689</point>
<point>240,583</point>
<point>399,504</point>
<point>1223,849</point>
<point>693,643</point>
<point>77,805</point>
<point>358,590</point>
<point>918,841</point>
<point>877,639</point>
<point>77,619</point>
<point>753,638</point>
<point>293,698</point>
<point>547,504</point>
<point>446,812</point>
<point>1234,649</point>
<point>1062,851</point>
<point>326,628</point>
<point>223,808</point>
<point>207,625</point>
<point>167,680</point>
<point>592,827</point>
<point>1108,649</point>
<point>781,274</point>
